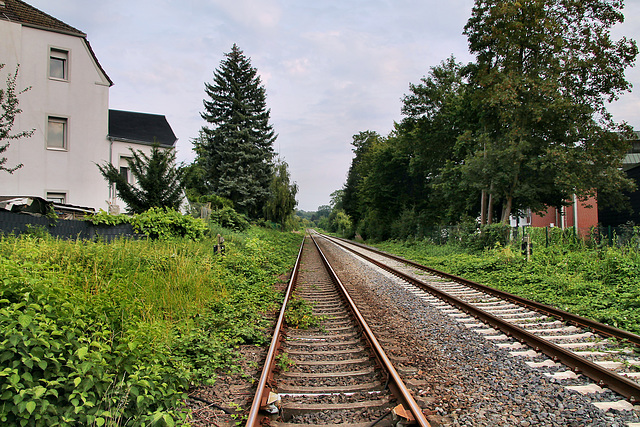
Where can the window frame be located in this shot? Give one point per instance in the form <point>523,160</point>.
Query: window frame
<point>62,55</point>
<point>65,133</point>
<point>123,163</point>
<point>50,196</point>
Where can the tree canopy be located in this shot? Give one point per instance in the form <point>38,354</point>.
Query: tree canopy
<point>524,126</point>
<point>281,203</point>
<point>544,72</point>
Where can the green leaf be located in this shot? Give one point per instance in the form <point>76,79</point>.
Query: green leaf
<point>31,406</point>
<point>168,419</point>
<point>82,352</point>
<point>25,320</point>
<point>39,391</point>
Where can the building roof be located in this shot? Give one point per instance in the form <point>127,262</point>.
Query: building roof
<point>632,158</point>
<point>20,12</point>
<point>140,128</point>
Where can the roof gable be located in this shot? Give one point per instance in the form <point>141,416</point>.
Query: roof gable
<point>21,12</point>
<point>141,128</point>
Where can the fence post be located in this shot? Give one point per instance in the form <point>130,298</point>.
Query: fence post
<point>610,236</point>
<point>546,236</point>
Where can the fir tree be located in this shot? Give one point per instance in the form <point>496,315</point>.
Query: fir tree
<point>236,151</point>
<point>157,181</point>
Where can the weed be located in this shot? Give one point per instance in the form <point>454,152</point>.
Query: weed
<point>284,362</point>
<point>108,334</point>
<point>299,314</point>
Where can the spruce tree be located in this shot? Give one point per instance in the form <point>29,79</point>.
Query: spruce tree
<point>236,151</point>
<point>158,183</point>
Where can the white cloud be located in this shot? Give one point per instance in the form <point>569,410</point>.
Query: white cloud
<point>264,14</point>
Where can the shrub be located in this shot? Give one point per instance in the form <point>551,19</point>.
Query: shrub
<point>159,223</point>
<point>63,364</point>
<point>227,217</point>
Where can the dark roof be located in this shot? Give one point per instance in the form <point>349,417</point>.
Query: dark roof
<point>19,11</point>
<point>140,128</point>
<point>25,14</point>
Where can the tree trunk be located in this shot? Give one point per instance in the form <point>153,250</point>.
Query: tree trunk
<point>483,208</point>
<point>506,211</point>
<point>490,206</point>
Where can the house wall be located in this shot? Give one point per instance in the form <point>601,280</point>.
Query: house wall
<point>83,100</point>
<point>587,216</point>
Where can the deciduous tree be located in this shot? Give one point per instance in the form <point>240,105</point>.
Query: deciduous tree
<point>282,195</point>
<point>10,109</point>
<point>544,74</point>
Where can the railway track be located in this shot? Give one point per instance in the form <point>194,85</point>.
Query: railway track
<point>607,355</point>
<point>335,373</point>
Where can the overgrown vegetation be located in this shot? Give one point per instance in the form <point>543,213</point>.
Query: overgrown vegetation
<point>593,280</point>
<point>299,314</point>
<point>115,334</point>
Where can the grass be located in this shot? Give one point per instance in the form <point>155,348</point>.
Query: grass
<point>601,283</point>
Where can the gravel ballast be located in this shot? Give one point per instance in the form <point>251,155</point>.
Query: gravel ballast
<point>460,377</point>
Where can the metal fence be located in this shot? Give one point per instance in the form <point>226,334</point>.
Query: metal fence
<point>627,236</point>
<point>21,223</point>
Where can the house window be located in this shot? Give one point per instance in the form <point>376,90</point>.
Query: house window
<point>59,64</point>
<point>125,172</point>
<point>57,197</point>
<point>57,133</point>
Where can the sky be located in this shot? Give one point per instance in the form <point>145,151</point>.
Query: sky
<point>331,68</point>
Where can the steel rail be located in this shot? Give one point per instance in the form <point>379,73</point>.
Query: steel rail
<point>399,389</point>
<point>601,328</point>
<point>264,387</point>
<point>617,383</point>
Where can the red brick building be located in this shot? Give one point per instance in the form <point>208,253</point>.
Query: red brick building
<point>584,214</point>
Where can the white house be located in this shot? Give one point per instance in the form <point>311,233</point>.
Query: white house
<point>67,105</point>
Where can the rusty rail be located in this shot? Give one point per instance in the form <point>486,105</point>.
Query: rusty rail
<point>262,392</point>
<point>617,383</point>
<point>601,328</point>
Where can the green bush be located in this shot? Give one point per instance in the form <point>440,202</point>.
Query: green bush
<point>227,217</point>
<point>63,364</point>
<point>113,334</point>
<point>159,223</point>
<point>104,218</point>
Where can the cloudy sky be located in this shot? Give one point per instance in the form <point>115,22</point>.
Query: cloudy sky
<point>331,68</point>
